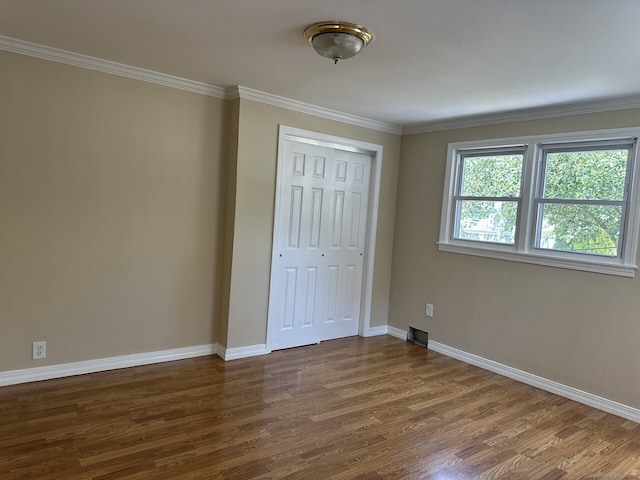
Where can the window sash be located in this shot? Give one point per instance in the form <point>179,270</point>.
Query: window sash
<point>456,224</point>
<point>540,199</point>
<point>459,198</point>
<point>576,147</point>
<point>540,218</point>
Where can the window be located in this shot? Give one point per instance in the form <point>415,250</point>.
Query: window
<point>568,200</point>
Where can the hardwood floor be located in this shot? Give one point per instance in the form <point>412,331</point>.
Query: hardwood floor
<point>355,408</point>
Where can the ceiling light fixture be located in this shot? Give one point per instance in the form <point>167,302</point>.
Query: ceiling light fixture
<point>338,40</point>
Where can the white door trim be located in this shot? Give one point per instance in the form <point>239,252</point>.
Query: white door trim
<point>375,151</point>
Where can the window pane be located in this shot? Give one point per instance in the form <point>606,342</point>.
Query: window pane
<point>486,221</point>
<point>492,176</point>
<point>590,229</point>
<point>586,175</point>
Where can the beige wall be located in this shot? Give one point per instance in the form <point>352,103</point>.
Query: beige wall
<point>138,218</point>
<point>254,210</point>
<point>230,174</point>
<point>580,329</point>
<point>110,214</point>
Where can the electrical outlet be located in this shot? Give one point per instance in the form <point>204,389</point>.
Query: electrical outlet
<point>428,310</point>
<point>39,350</point>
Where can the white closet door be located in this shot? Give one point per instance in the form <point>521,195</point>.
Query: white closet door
<point>345,244</point>
<point>319,240</point>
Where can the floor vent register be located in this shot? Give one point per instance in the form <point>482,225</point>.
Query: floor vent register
<point>419,337</point>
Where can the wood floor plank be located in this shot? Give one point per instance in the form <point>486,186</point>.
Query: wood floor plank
<point>355,408</point>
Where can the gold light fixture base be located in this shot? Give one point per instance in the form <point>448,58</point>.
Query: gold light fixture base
<point>338,40</point>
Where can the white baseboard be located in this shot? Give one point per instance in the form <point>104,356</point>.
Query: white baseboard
<point>586,398</point>
<point>25,375</point>
<point>375,331</point>
<point>604,404</point>
<point>242,352</point>
<point>396,332</point>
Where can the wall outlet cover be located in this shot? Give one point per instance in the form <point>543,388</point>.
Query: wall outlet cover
<point>39,350</point>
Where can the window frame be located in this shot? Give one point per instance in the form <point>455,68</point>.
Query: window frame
<point>524,249</point>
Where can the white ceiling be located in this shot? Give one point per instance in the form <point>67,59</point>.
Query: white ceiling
<point>431,60</point>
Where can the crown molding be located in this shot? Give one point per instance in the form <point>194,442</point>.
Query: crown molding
<point>289,104</point>
<point>537,113</point>
<point>106,66</point>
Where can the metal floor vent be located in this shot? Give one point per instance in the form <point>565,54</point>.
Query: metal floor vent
<point>418,337</point>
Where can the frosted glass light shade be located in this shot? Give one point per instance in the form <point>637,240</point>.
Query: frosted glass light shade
<point>337,45</point>
<point>338,40</point>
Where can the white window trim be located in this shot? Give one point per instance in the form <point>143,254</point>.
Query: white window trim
<point>522,251</point>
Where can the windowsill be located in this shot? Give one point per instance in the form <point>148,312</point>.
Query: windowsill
<point>613,267</point>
